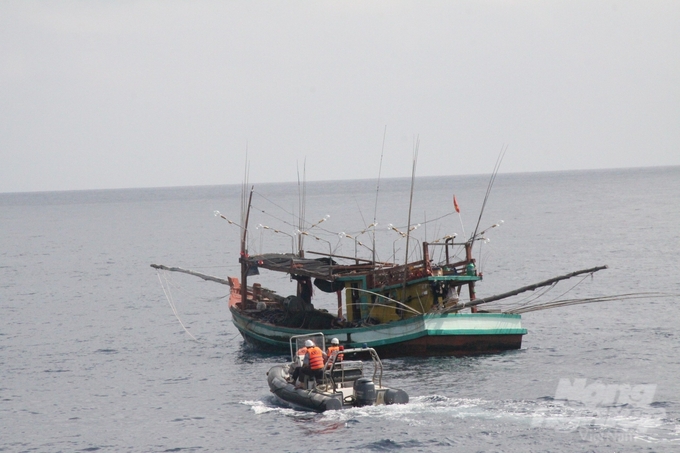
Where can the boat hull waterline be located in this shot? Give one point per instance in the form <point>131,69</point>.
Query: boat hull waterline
<point>452,334</point>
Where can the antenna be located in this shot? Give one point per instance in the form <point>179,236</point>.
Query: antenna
<point>244,188</point>
<point>377,190</point>
<point>302,202</point>
<point>488,189</point>
<point>410,206</point>
<point>410,203</point>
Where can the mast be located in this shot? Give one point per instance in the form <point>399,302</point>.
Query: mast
<point>302,205</point>
<point>244,253</point>
<point>408,227</point>
<point>377,190</point>
<point>470,270</point>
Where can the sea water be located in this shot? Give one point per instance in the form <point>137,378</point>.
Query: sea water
<point>98,352</point>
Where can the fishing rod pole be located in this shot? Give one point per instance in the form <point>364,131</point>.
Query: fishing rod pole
<point>190,272</point>
<point>472,303</point>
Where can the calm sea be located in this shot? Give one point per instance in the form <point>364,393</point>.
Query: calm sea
<point>93,358</point>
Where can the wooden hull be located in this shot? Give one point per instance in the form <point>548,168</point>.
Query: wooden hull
<point>453,334</point>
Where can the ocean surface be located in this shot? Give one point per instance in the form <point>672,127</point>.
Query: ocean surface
<point>93,356</point>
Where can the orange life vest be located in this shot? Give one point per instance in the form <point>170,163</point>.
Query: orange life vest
<point>315,358</point>
<point>331,350</point>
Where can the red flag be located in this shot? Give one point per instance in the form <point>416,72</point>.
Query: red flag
<point>455,204</point>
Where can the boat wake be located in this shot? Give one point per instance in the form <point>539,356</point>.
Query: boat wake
<point>620,422</point>
<point>271,404</point>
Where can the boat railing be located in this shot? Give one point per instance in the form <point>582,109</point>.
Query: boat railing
<point>297,342</point>
<point>449,267</point>
<point>340,372</point>
<point>343,372</point>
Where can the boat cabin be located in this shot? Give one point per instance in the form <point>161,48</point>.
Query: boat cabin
<point>374,292</point>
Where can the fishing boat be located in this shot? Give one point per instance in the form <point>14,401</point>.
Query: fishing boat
<point>418,307</point>
<point>399,310</point>
<point>344,383</point>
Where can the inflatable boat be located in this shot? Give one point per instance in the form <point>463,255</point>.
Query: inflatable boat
<point>343,383</point>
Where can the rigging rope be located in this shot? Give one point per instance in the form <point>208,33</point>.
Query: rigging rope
<point>531,297</point>
<point>168,296</point>
<point>531,303</point>
<point>568,302</point>
<point>570,289</point>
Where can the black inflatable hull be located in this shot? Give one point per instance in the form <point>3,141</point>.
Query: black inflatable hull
<point>304,399</point>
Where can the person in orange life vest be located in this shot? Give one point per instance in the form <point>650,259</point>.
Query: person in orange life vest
<point>300,354</point>
<point>299,357</point>
<point>312,365</point>
<point>335,346</point>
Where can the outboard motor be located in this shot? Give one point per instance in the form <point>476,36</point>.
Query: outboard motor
<point>396,396</point>
<point>364,392</point>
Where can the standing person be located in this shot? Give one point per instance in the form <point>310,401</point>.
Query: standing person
<point>312,364</point>
<point>335,346</point>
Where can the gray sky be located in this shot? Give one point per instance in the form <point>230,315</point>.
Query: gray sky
<point>99,94</point>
